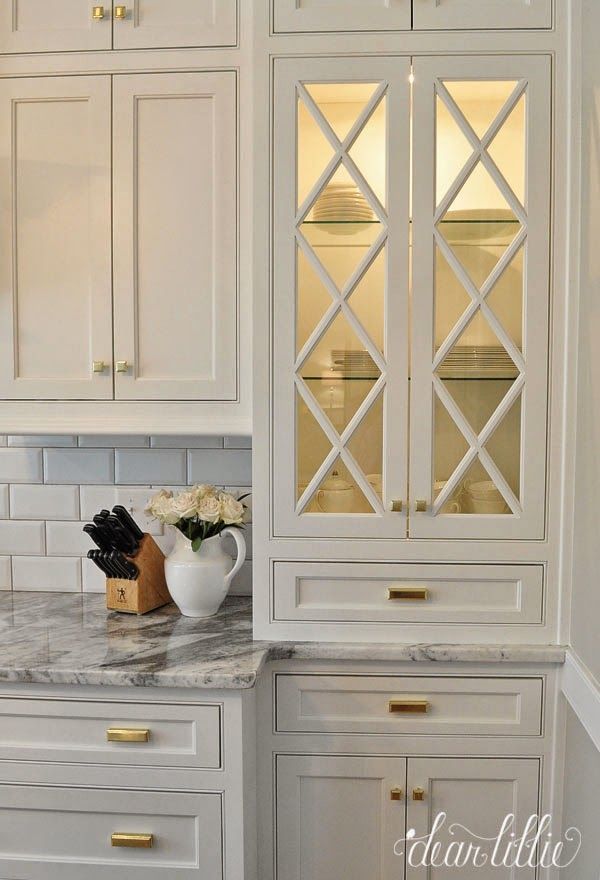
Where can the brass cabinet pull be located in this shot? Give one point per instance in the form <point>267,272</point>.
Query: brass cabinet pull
<point>421,506</point>
<point>396,794</point>
<point>408,593</point>
<point>138,841</point>
<point>98,366</point>
<point>120,12</point>
<point>396,506</point>
<point>97,13</point>
<point>127,735</point>
<point>418,794</point>
<point>122,366</point>
<point>408,707</point>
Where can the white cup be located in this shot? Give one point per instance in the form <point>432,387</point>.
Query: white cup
<point>449,506</point>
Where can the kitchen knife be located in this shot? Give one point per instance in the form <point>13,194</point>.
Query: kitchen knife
<point>94,533</point>
<point>110,565</point>
<point>121,538</point>
<point>99,518</point>
<point>96,557</point>
<point>128,522</point>
<point>128,569</point>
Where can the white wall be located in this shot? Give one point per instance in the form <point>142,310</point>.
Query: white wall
<point>582,800</point>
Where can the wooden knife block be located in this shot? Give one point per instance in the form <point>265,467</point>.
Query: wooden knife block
<point>148,590</point>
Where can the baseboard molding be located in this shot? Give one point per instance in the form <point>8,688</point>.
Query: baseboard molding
<point>583,694</point>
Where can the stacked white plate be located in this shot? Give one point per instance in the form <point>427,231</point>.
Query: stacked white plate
<point>342,203</point>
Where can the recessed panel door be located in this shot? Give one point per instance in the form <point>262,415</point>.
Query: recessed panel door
<point>339,817</point>
<point>481,14</point>
<point>54,25</point>
<point>148,24</point>
<point>340,296</point>
<point>480,297</point>
<point>291,16</point>
<point>55,247</point>
<point>175,236</point>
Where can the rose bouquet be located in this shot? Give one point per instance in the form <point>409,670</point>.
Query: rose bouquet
<point>199,513</point>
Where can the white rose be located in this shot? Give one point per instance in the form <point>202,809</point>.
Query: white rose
<point>232,511</point>
<point>201,490</point>
<point>160,507</point>
<point>209,509</point>
<point>186,505</point>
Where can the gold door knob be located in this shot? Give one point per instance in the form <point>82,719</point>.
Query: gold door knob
<point>396,794</point>
<point>98,366</point>
<point>97,13</point>
<point>127,735</point>
<point>138,841</point>
<point>418,794</point>
<point>122,366</point>
<point>408,707</point>
<point>120,12</point>
<point>396,506</point>
<point>421,506</point>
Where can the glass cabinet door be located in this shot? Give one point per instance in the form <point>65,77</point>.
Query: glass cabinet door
<point>480,297</point>
<point>340,296</point>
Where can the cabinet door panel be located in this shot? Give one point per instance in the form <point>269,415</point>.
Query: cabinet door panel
<point>52,26</point>
<point>291,16</point>
<point>336,818</point>
<point>173,23</point>
<point>340,283</point>
<point>481,293</point>
<point>477,794</point>
<point>55,259</point>
<point>175,236</point>
<point>473,14</point>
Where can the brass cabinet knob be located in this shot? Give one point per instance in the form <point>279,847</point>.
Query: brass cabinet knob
<point>127,735</point>
<point>97,13</point>
<point>408,707</point>
<point>396,506</point>
<point>120,12</point>
<point>418,794</point>
<point>122,366</point>
<point>138,841</point>
<point>396,794</point>
<point>98,366</point>
<point>421,506</point>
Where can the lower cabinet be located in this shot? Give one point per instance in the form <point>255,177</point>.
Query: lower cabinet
<point>349,816</point>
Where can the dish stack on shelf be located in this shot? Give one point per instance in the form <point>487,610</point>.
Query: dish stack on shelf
<point>478,362</point>
<point>342,203</point>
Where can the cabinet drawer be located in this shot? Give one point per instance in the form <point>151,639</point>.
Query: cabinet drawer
<point>405,704</point>
<point>168,735</point>
<point>400,593</point>
<point>315,16</point>
<point>66,833</point>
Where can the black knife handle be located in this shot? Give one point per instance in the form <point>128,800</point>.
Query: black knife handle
<point>122,539</point>
<point>127,521</point>
<point>95,535</point>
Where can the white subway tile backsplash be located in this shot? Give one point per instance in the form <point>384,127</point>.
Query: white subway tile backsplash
<point>46,575</point>
<point>230,543</point>
<point>4,502</point>
<point>3,440</point>
<point>238,442</point>
<point>67,539</point>
<point>94,580</point>
<point>134,498</point>
<point>41,440</point>
<point>21,466</point>
<point>96,498</point>
<point>150,466</point>
<point>221,467</point>
<point>100,441</point>
<point>5,573</point>
<point>22,538</point>
<point>78,466</point>
<point>181,441</point>
<point>44,502</point>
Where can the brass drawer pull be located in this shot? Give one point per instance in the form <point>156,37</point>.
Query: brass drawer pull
<point>408,593</point>
<point>396,506</point>
<point>127,735</point>
<point>97,13</point>
<point>421,506</point>
<point>138,841</point>
<point>396,794</point>
<point>408,707</point>
<point>418,794</point>
<point>120,13</point>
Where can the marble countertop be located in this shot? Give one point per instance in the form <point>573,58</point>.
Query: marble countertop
<point>64,638</point>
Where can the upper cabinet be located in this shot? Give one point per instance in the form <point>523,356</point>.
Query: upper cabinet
<point>306,16</point>
<point>161,323</point>
<point>79,25</point>
<point>293,16</point>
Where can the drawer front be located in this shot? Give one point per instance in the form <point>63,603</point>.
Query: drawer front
<point>52,833</point>
<point>378,704</point>
<point>401,593</point>
<point>315,16</point>
<point>166,735</point>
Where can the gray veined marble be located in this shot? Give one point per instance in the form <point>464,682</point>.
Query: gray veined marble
<point>71,639</point>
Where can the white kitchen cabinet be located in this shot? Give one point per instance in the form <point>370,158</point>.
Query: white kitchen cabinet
<point>175,236</point>
<point>55,238</point>
<point>293,16</point>
<point>475,14</point>
<point>54,26</point>
<point>339,817</point>
<point>148,24</point>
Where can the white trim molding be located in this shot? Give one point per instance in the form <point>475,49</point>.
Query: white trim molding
<point>582,691</point>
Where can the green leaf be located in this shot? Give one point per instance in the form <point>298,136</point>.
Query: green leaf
<point>196,544</point>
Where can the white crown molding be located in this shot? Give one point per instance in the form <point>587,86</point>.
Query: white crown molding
<point>582,691</point>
